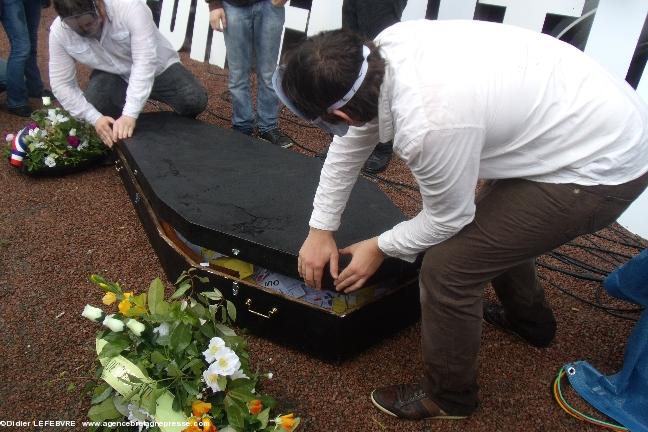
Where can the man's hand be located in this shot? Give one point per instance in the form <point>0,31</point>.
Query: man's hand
<point>318,249</point>
<point>366,258</point>
<point>217,19</point>
<point>103,126</point>
<point>123,128</point>
<point>278,3</point>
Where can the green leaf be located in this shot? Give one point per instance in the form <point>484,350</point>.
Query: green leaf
<point>101,393</point>
<point>184,286</point>
<point>104,411</point>
<point>173,370</point>
<point>236,416</point>
<point>180,337</point>
<point>190,387</point>
<point>264,417</point>
<point>114,348</point>
<point>182,277</point>
<point>71,387</point>
<point>231,310</point>
<point>157,357</point>
<point>155,295</point>
<point>225,331</point>
<point>212,295</point>
<point>192,363</point>
<point>203,279</point>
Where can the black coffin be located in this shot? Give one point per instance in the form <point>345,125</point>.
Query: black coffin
<point>203,191</point>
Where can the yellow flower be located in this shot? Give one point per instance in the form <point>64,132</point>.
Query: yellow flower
<point>287,421</point>
<point>198,408</point>
<point>193,425</point>
<point>128,294</point>
<point>109,298</point>
<point>208,425</point>
<point>124,306</point>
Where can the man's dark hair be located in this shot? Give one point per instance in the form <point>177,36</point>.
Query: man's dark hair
<point>66,8</point>
<point>322,70</point>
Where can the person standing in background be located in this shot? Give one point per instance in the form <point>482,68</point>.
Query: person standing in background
<point>20,19</point>
<point>252,26</point>
<point>368,18</point>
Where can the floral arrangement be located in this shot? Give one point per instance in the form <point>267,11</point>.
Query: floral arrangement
<point>175,365</point>
<point>53,141</point>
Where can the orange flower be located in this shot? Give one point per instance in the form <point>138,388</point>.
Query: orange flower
<point>287,422</point>
<point>208,425</point>
<point>255,406</point>
<point>193,422</point>
<point>198,408</point>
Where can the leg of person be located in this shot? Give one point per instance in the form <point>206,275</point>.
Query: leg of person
<point>179,88</point>
<point>375,16</point>
<point>350,15</point>
<point>33,79</point>
<point>15,25</point>
<point>107,93</point>
<point>239,36</point>
<point>3,74</point>
<point>268,26</point>
<point>514,222</point>
<point>379,158</point>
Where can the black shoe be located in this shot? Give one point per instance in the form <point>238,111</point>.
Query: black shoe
<point>409,401</point>
<point>21,111</point>
<point>379,159</point>
<point>276,137</point>
<point>539,337</point>
<point>45,93</point>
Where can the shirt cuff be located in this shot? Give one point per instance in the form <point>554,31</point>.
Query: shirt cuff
<point>324,221</point>
<point>214,4</point>
<point>93,116</point>
<point>386,245</point>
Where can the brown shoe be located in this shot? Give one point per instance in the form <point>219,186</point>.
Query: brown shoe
<point>408,401</point>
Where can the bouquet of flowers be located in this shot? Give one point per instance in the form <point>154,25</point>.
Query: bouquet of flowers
<point>54,143</point>
<point>174,365</point>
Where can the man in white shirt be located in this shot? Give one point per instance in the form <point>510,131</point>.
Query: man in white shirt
<point>563,144</point>
<point>131,61</point>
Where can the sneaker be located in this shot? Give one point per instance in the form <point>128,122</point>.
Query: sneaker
<point>276,137</point>
<point>21,111</point>
<point>408,401</point>
<point>495,315</point>
<point>379,159</point>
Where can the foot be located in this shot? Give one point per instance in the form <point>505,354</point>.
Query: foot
<point>408,401</point>
<point>495,315</point>
<point>21,111</point>
<point>276,137</point>
<point>379,159</point>
<point>45,93</point>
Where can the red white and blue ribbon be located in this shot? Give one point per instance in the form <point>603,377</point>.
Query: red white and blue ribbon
<point>19,148</point>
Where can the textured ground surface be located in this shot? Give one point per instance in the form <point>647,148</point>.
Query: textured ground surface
<point>55,232</point>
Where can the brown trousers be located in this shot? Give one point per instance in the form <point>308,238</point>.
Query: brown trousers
<point>516,221</point>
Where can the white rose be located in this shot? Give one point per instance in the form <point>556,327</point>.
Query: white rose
<point>163,329</point>
<point>135,326</point>
<point>47,101</point>
<point>50,161</point>
<point>92,313</point>
<point>113,324</point>
<point>9,137</point>
<point>72,132</point>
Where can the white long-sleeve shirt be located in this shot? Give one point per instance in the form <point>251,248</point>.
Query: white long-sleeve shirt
<point>130,46</point>
<point>464,100</point>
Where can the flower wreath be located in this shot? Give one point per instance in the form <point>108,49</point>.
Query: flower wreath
<point>54,143</point>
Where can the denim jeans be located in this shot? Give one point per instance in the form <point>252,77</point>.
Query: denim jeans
<point>254,29</point>
<point>20,20</point>
<point>176,87</point>
<point>3,74</point>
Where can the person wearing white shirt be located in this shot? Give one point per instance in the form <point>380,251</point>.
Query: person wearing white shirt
<point>562,145</point>
<point>131,61</point>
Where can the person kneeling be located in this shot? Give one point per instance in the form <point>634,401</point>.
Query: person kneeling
<point>131,61</point>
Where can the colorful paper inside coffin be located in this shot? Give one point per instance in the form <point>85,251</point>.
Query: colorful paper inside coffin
<point>338,303</point>
<point>54,143</point>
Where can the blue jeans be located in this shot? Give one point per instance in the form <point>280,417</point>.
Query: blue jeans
<point>3,74</point>
<point>253,29</point>
<point>20,20</point>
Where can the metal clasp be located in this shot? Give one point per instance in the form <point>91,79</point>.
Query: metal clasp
<point>271,312</point>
